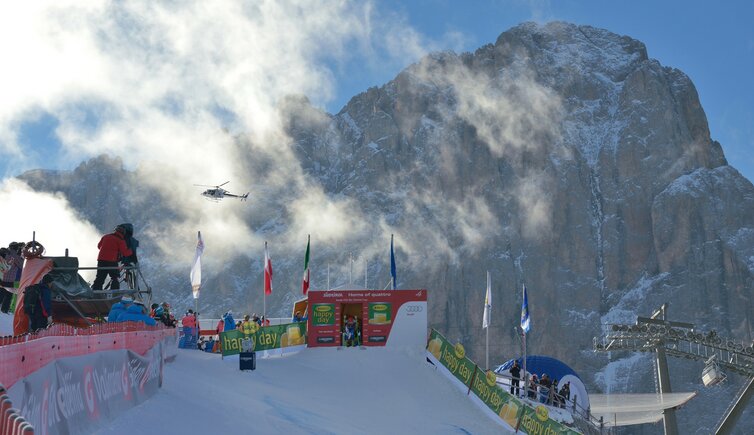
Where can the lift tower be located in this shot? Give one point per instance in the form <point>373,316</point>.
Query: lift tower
<point>682,340</point>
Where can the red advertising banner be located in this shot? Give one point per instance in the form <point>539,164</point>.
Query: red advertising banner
<point>367,317</point>
<point>82,393</point>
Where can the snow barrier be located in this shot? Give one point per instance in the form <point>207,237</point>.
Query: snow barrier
<point>70,380</point>
<point>515,414</point>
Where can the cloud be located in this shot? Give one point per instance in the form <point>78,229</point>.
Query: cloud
<point>169,87</point>
<point>57,226</point>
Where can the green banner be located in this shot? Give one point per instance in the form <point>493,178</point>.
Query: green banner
<point>484,386</point>
<point>379,313</point>
<point>323,314</point>
<point>452,357</point>
<point>537,421</point>
<point>266,338</point>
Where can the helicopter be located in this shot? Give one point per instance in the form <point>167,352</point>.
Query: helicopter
<point>217,192</point>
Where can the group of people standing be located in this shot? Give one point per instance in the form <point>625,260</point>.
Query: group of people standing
<point>543,389</point>
<point>249,325</point>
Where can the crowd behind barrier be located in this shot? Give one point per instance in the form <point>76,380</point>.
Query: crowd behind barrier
<point>538,394</point>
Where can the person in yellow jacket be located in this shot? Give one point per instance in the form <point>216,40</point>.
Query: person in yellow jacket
<point>248,327</point>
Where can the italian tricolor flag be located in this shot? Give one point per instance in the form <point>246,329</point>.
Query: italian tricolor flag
<point>305,283</point>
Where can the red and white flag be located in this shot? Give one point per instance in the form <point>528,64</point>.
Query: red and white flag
<point>267,271</point>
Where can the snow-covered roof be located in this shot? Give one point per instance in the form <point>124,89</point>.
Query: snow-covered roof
<point>630,409</point>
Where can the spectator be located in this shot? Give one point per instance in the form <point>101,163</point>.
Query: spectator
<point>515,372</point>
<point>165,317</point>
<point>131,243</point>
<point>137,312</point>
<point>111,247</point>
<point>565,393</point>
<point>220,327</point>
<point>256,319</point>
<point>238,325</point>
<point>297,316</point>
<point>248,327</point>
<point>189,320</point>
<point>38,303</point>
<point>544,387</point>
<point>533,386</point>
<point>119,308</point>
<point>11,265</point>
<point>230,324</point>
<point>554,397</point>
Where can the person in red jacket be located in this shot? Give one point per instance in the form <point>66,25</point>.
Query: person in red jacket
<point>111,247</point>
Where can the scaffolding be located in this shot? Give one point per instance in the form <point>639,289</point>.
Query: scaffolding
<point>682,340</point>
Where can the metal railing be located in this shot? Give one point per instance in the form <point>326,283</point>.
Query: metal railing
<point>582,418</point>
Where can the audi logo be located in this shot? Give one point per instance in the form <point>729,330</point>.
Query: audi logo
<point>414,308</point>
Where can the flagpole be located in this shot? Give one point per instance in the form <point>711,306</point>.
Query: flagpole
<point>526,377</point>
<point>264,293</point>
<point>525,326</point>
<point>487,350</point>
<point>487,311</point>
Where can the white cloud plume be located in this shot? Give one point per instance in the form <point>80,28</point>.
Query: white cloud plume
<point>58,227</point>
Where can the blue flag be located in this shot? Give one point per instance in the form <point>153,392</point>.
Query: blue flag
<point>392,263</point>
<point>525,324</point>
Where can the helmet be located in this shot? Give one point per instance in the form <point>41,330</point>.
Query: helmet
<point>120,229</point>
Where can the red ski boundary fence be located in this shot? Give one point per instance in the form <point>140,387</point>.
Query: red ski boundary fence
<point>11,422</point>
<point>21,356</point>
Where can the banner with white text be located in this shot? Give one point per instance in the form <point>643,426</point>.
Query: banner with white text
<point>80,394</point>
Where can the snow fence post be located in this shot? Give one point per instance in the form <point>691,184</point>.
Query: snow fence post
<point>471,382</point>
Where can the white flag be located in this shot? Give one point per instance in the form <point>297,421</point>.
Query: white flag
<point>487,303</point>
<point>196,269</point>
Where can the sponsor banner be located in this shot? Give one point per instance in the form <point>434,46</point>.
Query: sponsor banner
<point>384,317</point>
<point>537,421</point>
<point>379,313</point>
<point>266,338</point>
<point>452,357</point>
<point>484,386</point>
<point>323,314</point>
<point>80,394</point>
<point>22,358</point>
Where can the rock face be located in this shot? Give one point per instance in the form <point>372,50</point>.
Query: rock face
<point>561,157</point>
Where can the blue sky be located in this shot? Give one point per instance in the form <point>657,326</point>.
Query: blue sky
<point>712,42</point>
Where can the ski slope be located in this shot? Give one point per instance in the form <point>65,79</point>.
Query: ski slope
<point>316,391</point>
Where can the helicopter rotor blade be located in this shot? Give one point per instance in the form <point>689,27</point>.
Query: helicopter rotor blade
<point>224,183</point>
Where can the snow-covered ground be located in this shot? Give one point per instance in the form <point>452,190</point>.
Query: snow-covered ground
<point>316,391</point>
